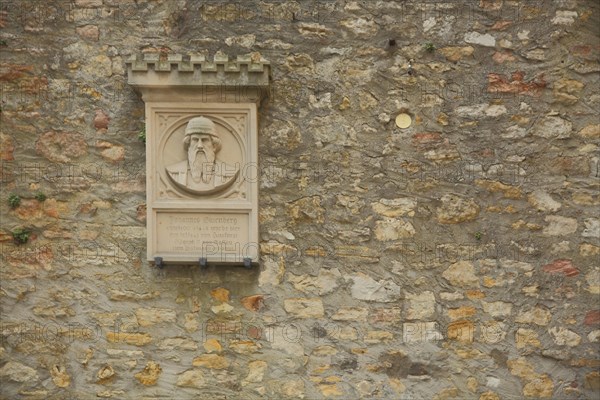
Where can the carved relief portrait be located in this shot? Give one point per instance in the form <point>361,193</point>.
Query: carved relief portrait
<point>209,164</point>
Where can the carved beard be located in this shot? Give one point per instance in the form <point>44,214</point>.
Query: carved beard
<point>201,164</point>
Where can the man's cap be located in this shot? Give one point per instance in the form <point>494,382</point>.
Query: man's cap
<point>201,125</point>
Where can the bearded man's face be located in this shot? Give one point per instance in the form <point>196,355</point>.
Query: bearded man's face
<point>201,157</point>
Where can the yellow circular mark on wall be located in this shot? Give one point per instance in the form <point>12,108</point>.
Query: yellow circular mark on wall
<point>403,121</point>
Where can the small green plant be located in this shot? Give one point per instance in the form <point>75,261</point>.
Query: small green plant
<point>40,197</point>
<point>142,135</point>
<point>430,47</point>
<point>21,236</point>
<point>3,43</point>
<point>478,235</point>
<point>14,200</point>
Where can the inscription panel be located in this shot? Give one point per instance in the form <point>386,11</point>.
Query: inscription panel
<point>220,237</point>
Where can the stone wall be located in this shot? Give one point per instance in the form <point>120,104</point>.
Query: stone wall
<point>456,258</point>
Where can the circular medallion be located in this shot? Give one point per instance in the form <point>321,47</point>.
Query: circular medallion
<point>403,121</point>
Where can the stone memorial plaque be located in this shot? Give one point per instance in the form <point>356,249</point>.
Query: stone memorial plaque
<point>201,158</point>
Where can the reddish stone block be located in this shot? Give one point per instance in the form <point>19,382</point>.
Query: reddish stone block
<point>385,315</point>
<point>486,153</point>
<point>61,147</point>
<point>28,210</point>
<point>7,147</point>
<point>586,52</point>
<point>23,79</point>
<point>253,303</point>
<point>11,72</point>
<point>500,25</point>
<point>500,84</point>
<point>101,120</point>
<point>90,32</point>
<point>5,237</point>
<point>581,50</point>
<point>29,257</point>
<point>255,332</point>
<point>427,139</point>
<point>503,56</point>
<point>561,266</point>
<point>592,318</point>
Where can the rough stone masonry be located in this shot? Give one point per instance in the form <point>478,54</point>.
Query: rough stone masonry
<point>457,258</point>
